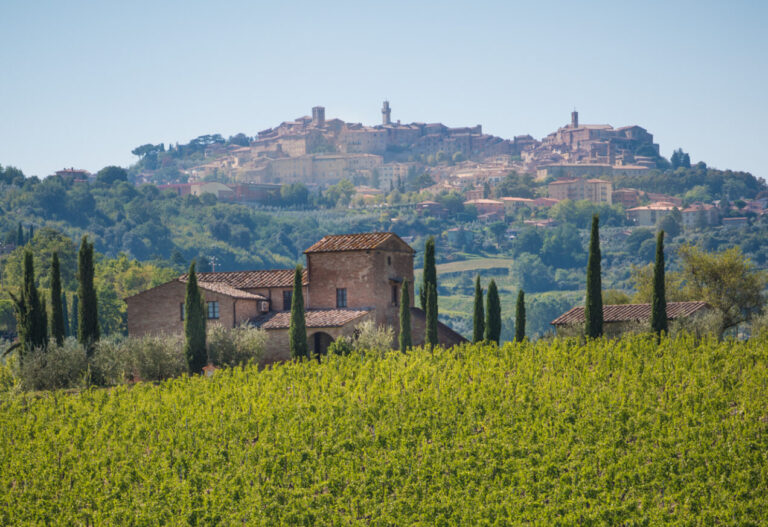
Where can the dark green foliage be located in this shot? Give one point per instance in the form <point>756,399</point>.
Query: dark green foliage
<point>74,322</point>
<point>478,321</point>
<point>88,314</point>
<point>493,314</point>
<point>520,317</point>
<point>194,325</point>
<point>31,319</point>
<point>430,336</point>
<point>58,330</point>
<point>430,272</point>
<point>297,332</point>
<point>659,298</point>
<point>65,315</point>
<point>405,318</point>
<point>593,312</point>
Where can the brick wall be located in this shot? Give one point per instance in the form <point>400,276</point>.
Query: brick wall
<point>157,310</point>
<point>366,275</point>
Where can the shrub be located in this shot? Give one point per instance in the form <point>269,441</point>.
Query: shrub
<point>371,337</point>
<point>233,347</point>
<point>157,358</point>
<point>64,366</point>
<point>341,346</point>
<point>113,362</point>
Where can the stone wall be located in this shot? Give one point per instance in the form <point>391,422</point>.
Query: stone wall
<point>158,310</point>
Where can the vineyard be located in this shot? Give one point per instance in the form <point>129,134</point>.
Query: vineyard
<point>623,432</point>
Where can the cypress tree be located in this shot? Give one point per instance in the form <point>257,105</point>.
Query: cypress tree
<point>20,236</point>
<point>194,324</point>
<point>478,321</point>
<point>57,316</point>
<point>74,323</point>
<point>405,318</point>
<point>593,311</point>
<point>65,314</point>
<point>520,317</point>
<point>493,314</point>
<point>88,313</point>
<point>659,298</point>
<point>430,272</point>
<point>297,332</point>
<point>430,337</point>
<point>31,321</point>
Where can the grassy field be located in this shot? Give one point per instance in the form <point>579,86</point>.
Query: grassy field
<point>470,264</point>
<point>551,433</point>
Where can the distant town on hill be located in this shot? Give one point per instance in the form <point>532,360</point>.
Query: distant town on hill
<point>319,152</point>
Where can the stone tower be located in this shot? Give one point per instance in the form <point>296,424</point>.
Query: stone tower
<point>318,116</point>
<point>386,113</point>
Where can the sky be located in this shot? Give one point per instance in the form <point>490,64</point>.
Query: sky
<point>85,82</point>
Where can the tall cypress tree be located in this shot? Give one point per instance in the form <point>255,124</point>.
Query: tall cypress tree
<point>194,324</point>
<point>297,332</point>
<point>405,318</point>
<point>430,337</point>
<point>75,322</point>
<point>65,314</point>
<point>31,320</point>
<point>520,317</point>
<point>88,312</point>
<point>493,314</point>
<point>478,321</point>
<point>659,298</point>
<point>593,311</point>
<point>58,332</point>
<point>430,272</point>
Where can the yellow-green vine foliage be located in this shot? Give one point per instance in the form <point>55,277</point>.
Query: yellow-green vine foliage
<point>623,432</point>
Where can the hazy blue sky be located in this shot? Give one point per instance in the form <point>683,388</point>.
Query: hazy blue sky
<point>83,83</point>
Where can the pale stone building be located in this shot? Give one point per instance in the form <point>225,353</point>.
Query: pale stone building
<point>594,190</point>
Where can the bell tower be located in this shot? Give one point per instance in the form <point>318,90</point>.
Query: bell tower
<point>386,113</point>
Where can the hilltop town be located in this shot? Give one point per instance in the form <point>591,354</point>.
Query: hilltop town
<point>320,152</point>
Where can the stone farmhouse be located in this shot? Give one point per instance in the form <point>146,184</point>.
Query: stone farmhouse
<point>623,318</point>
<point>348,279</point>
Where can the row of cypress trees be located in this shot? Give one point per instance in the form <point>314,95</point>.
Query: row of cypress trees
<point>593,310</point>
<point>486,323</point>
<point>32,313</point>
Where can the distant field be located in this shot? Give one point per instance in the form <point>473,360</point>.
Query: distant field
<point>548,433</point>
<point>471,265</point>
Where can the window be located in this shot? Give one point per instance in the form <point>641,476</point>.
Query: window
<point>181,311</point>
<point>213,309</point>
<point>394,295</point>
<point>287,299</point>
<point>341,298</point>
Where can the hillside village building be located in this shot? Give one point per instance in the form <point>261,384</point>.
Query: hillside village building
<point>594,190</point>
<point>348,279</point>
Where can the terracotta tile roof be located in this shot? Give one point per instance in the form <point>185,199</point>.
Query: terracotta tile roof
<point>251,279</point>
<point>630,312</point>
<point>352,242</point>
<point>315,318</point>
<point>224,289</point>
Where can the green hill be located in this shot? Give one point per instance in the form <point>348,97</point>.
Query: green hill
<point>553,433</point>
